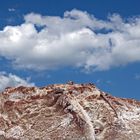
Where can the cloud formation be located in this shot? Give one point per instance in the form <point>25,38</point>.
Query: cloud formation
<point>11,9</point>
<point>77,39</point>
<point>11,80</point>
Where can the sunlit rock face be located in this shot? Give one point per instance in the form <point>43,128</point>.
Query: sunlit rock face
<point>67,112</point>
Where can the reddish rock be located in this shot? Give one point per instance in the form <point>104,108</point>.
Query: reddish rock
<point>67,112</point>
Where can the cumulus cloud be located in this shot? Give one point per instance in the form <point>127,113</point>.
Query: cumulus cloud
<point>11,80</point>
<point>77,39</point>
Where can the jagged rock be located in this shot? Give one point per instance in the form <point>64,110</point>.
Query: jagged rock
<point>67,112</point>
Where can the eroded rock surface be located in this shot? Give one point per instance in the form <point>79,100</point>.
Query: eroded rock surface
<point>67,112</point>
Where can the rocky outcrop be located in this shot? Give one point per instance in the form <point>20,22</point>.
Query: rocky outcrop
<point>67,112</point>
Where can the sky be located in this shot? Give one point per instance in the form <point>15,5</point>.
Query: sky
<point>44,42</point>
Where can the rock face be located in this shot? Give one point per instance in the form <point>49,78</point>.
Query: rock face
<point>67,112</point>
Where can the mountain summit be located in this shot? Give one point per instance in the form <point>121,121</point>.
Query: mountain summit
<point>67,112</point>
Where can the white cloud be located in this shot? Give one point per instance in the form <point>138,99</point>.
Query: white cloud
<point>77,39</point>
<point>11,9</point>
<point>11,80</point>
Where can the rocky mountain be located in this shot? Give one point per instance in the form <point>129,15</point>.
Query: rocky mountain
<point>67,112</point>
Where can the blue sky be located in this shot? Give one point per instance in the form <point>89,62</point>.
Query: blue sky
<point>51,41</point>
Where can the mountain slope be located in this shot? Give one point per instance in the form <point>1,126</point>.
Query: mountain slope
<point>67,112</point>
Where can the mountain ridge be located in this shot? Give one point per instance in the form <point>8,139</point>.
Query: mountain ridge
<point>67,111</point>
